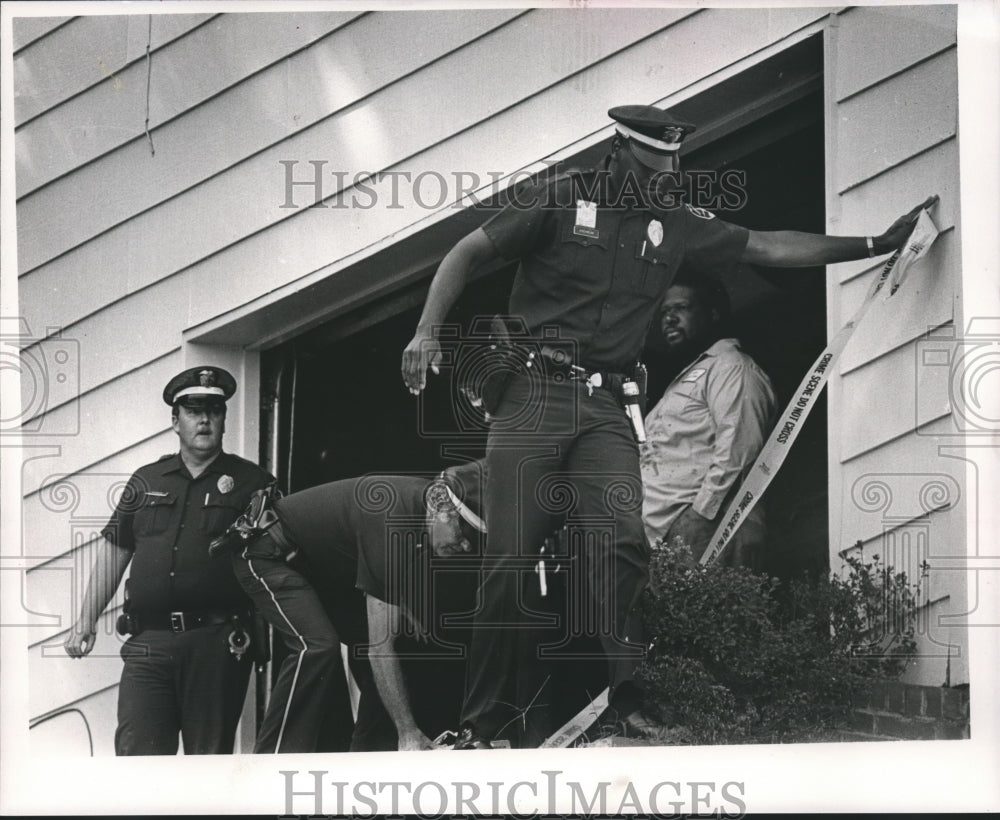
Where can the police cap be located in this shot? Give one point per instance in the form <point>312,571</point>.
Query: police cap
<point>200,384</point>
<point>653,133</point>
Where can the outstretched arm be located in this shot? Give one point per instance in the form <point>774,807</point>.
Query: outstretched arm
<point>112,561</point>
<point>384,622</point>
<point>794,249</point>
<point>448,283</point>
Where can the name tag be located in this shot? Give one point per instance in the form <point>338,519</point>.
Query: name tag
<point>694,375</point>
<point>586,219</point>
<point>156,494</point>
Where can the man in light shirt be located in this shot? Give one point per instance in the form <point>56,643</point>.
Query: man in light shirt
<point>706,431</point>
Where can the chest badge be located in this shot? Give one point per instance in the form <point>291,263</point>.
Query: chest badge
<point>655,232</point>
<point>225,484</point>
<point>586,219</point>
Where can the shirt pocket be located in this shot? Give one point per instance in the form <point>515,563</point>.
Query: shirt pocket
<point>578,247</point>
<point>153,517</point>
<point>217,514</point>
<point>652,272</point>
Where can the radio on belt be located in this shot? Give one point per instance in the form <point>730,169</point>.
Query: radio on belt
<point>630,395</point>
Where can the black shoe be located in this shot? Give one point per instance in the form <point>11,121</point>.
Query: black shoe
<point>468,739</point>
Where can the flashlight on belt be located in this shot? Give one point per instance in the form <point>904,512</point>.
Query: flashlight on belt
<point>630,397</point>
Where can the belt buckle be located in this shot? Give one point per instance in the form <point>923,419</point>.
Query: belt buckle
<point>177,622</point>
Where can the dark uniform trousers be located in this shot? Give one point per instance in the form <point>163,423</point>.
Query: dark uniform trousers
<point>185,682</point>
<point>555,451</point>
<point>307,684</point>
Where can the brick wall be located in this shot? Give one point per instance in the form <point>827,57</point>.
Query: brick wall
<point>902,711</point>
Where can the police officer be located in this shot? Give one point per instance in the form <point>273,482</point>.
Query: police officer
<point>597,251</point>
<point>184,611</point>
<point>344,563</point>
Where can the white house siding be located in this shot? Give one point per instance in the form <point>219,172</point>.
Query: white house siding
<point>892,114</point>
<point>139,256</point>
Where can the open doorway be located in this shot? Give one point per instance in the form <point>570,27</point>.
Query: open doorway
<point>344,410</point>
<point>352,414</point>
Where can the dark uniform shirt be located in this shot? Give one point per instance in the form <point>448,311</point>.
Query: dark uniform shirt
<point>602,283</point>
<point>346,529</point>
<point>167,519</point>
<point>365,533</point>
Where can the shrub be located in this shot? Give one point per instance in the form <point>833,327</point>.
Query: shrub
<point>740,657</point>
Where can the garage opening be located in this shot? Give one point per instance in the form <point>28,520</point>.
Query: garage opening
<point>335,405</point>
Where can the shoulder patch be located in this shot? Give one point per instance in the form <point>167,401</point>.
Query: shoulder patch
<point>701,213</point>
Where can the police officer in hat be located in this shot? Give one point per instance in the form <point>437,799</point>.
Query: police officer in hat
<point>185,614</point>
<point>597,250</point>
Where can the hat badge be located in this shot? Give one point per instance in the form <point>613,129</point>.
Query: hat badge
<point>655,232</point>
<point>225,484</point>
<point>206,378</point>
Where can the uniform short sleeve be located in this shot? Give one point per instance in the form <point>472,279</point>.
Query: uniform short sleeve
<point>711,243</point>
<point>519,227</point>
<point>119,529</point>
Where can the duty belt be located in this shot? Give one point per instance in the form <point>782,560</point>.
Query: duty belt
<point>186,621</point>
<point>556,364</point>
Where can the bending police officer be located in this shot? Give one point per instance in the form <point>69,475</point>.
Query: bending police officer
<point>344,563</point>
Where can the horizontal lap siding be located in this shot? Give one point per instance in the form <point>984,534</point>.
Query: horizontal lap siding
<point>193,58</point>
<point>127,250</point>
<point>108,425</point>
<point>893,121</point>
<point>910,105</point>
<point>909,504</point>
<point>66,735</point>
<point>28,29</point>
<point>84,53</point>
<point>200,141</point>
<point>372,128</point>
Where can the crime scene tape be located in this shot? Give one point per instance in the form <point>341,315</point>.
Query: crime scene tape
<point>577,724</point>
<point>775,450</point>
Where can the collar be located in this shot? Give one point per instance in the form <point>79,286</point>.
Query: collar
<point>175,464</point>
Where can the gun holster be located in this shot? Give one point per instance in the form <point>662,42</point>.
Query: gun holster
<point>641,378</point>
<point>126,623</point>
<point>258,517</point>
